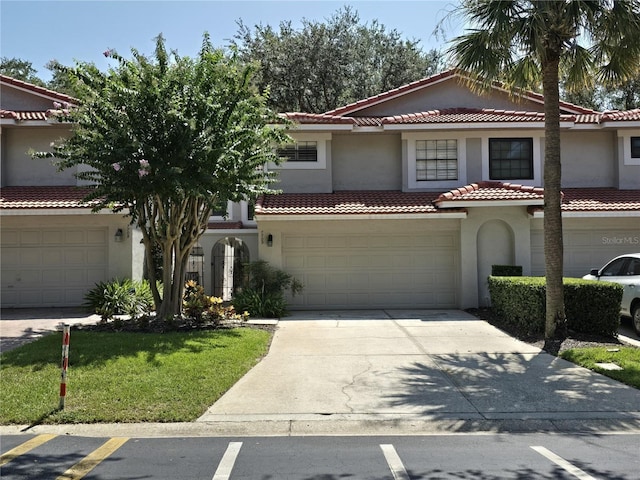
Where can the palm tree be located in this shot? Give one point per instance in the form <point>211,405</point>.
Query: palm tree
<point>523,43</point>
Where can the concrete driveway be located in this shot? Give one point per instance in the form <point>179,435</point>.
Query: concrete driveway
<point>402,371</point>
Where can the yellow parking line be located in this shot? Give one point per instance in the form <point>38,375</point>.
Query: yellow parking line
<point>92,460</point>
<point>25,447</point>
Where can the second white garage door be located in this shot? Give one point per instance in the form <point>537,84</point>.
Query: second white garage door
<point>374,270</point>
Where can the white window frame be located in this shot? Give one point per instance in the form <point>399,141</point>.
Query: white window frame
<point>321,140</point>
<point>626,146</point>
<point>244,209</point>
<point>413,182</point>
<point>537,156</point>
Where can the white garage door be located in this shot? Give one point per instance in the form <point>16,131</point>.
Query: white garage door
<point>51,267</point>
<point>586,249</point>
<point>380,270</point>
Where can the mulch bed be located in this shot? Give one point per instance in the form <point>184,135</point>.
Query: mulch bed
<point>556,346</point>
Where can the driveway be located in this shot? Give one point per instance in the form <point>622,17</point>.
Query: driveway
<point>330,372</point>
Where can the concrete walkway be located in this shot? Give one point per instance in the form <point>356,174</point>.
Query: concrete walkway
<point>397,372</point>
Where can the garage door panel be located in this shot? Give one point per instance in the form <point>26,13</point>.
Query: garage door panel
<point>53,276</point>
<point>30,257</point>
<point>74,256</point>
<point>96,256</point>
<point>386,269</point>
<point>54,256</point>
<point>31,237</point>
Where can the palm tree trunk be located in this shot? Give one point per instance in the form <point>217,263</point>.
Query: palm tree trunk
<point>555,320</point>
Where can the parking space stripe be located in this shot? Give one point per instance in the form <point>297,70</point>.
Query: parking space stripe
<point>25,447</point>
<point>395,464</point>
<point>92,460</point>
<point>223,472</point>
<point>561,462</point>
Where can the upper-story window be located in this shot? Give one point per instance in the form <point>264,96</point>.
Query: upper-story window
<point>300,152</point>
<point>635,147</point>
<point>510,158</point>
<point>436,160</point>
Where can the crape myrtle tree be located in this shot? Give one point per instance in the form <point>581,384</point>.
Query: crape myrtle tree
<point>523,43</point>
<point>166,139</point>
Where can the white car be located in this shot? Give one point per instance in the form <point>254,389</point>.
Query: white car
<point>624,270</point>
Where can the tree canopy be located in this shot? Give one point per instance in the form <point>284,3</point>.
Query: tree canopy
<point>528,42</point>
<point>167,139</point>
<point>325,65</point>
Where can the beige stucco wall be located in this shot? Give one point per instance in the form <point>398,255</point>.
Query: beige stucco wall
<point>516,219</point>
<point>447,94</point>
<point>367,162</point>
<point>15,99</point>
<point>311,180</point>
<point>588,158</point>
<point>628,175</point>
<point>18,168</point>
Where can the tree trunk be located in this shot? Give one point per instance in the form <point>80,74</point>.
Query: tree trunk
<point>555,321</point>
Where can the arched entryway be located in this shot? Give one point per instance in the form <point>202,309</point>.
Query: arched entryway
<point>228,258</point>
<point>496,246</point>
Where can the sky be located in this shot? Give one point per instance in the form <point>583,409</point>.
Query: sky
<point>67,31</point>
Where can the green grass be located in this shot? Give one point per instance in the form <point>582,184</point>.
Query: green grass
<point>126,377</point>
<point>626,357</point>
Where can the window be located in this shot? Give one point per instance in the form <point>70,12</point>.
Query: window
<point>615,268</point>
<point>510,158</point>
<point>635,147</point>
<point>300,152</point>
<point>436,160</point>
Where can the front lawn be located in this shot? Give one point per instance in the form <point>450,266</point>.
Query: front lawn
<point>628,358</point>
<point>126,377</point>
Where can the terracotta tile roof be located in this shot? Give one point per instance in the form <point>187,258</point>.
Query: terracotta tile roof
<point>316,118</point>
<point>492,191</point>
<point>225,225</point>
<point>37,89</point>
<point>43,197</point>
<point>367,102</point>
<point>469,115</point>
<point>628,115</point>
<point>22,116</point>
<point>394,202</point>
<point>346,203</point>
<point>600,199</point>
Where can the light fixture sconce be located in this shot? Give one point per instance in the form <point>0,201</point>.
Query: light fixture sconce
<point>269,240</point>
<point>119,235</point>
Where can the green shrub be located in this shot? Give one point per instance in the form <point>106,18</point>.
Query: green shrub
<point>590,307</point>
<point>201,307</point>
<point>119,297</point>
<point>506,270</point>
<point>263,296</point>
<point>520,301</point>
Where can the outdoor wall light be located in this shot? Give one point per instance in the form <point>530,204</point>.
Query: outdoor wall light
<point>269,240</point>
<point>119,235</point>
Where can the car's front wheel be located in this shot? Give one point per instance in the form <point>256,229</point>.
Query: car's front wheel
<point>635,318</point>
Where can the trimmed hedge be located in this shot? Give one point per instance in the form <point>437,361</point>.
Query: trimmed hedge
<point>506,270</point>
<point>590,306</point>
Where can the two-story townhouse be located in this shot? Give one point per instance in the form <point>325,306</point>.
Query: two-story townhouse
<point>53,249</point>
<point>415,193</point>
<point>406,199</point>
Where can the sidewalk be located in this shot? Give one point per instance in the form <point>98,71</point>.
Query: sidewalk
<point>397,372</point>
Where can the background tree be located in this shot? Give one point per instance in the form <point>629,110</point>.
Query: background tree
<point>523,42</point>
<point>20,70</point>
<point>167,138</point>
<point>326,65</point>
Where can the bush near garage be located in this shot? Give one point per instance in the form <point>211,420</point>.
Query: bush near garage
<point>590,307</point>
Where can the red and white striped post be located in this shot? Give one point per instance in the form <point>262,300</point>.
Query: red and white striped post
<point>66,331</point>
